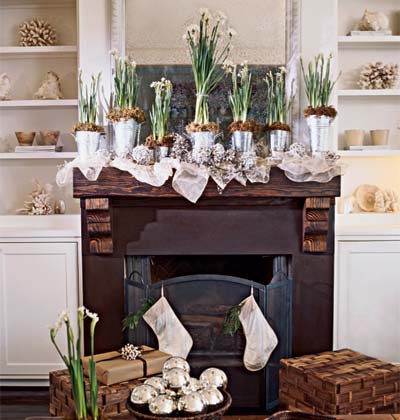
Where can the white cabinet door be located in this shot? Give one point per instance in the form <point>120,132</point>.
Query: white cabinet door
<point>37,281</point>
<point>367,294</point>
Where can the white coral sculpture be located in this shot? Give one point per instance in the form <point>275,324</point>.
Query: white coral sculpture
<point>377,75</point>
<point>36,33</point>
<point>50,88</point>
<point>39,201</point>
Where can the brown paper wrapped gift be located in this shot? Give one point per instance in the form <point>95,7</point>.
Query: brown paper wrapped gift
<point>111,368</point>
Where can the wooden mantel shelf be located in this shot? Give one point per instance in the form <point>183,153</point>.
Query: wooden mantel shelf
<point>96,199</point>
<point>115,183</point>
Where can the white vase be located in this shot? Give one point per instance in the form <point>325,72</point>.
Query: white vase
<point>88,143</point>
<point>319,133</point>
<point>125,136</point>
<point>201,139</point>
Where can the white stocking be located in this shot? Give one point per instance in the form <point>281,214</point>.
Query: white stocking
<point>260,337</point>
<point>172,336</point>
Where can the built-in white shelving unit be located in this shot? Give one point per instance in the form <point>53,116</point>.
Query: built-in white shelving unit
<point>69,50</point>
<point>368,92</point>
<point>39,103</point>
<point>369,153</point>
<point>368,41</point>
<point>26,67</point>
<point>38,155</point>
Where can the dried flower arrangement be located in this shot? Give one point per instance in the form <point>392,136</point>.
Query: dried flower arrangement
<point>88,105</point>
<point>319,86</point>
<point>206,56</point>
<point>377,75</point>
<point>278,104</point>
<point>240,97</point>
<point>126,84</point>
<point>39,201</point>
<point>159,115</point>
<point>36,33</point>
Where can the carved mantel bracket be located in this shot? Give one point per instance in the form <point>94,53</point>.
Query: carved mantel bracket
<point>316,224</point>
<point>98,224</point>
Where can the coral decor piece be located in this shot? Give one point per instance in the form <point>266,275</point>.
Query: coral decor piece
<point>39,201</point>
<point>377,75</point>
<point>370,198</point>
<point>50,88</point>
<point>5,87</point>
<point>36,33</point>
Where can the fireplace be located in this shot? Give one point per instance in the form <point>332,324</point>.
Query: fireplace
<point>277,237</point>
<point>201,289</point>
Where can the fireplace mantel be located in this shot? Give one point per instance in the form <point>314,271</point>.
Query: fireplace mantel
<point>123,218</point>
<point>96,198</point>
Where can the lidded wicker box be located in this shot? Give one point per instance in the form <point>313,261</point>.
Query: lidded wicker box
<point>111,398</point>
<point>339,382</point>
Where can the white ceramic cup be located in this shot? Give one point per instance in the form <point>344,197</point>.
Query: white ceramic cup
<point>354,137</point>
<point>379,137</point>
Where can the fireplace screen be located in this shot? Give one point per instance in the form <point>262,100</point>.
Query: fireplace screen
<point>201,289</point>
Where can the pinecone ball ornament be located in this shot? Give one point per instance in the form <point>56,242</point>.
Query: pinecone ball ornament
<point>377,75</point>
<point>130,352</point>
<point>36,33</point>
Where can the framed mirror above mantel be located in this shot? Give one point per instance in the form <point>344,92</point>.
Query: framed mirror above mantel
<point>151,33</point>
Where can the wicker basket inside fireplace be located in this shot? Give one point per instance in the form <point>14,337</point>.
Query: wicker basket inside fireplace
<point>214,415</point>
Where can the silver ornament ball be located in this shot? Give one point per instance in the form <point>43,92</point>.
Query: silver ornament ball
<point>193,386</point>
<point>213,397</point>
<point>175,378</point>
<point>213,377</point>
<point>176,362</point>
<point>142,394</point>
<point>192,403</point>
<point>157,383</point>
<point>162,405</point>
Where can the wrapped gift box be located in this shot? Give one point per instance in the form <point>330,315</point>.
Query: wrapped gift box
<point>111,368</point>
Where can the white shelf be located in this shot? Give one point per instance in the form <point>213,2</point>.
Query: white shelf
<point>39,103</point>
<point>369,153</point>
<point>38,155</point>
<point>368,92</point>
<point>368,41</point>
<point>18,52</point>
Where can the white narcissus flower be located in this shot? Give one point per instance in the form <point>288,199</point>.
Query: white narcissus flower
<point>205,13</point>
<point>92,315</point>
<point>114,52</point>
<point>228,66</point>
<point>221,17</point>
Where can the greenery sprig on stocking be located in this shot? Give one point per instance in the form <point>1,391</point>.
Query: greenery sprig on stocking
<point>232,322</point>
<point>131,321</point>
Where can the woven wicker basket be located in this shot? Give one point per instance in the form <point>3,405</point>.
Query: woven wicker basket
<point>296,415</point>
<point>215,415</point>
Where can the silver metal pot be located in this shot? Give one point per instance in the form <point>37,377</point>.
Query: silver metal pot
<point>163,152</point>
<point>202,139</point>
<point>319,133</point>
<point>88,143</point>
<point>125,136</point>
<point>279,142</point>
<point>242,141</point>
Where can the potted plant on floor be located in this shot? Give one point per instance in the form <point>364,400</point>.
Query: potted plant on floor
<point>161,138</point>
<point>278,108</point>
<point>241,129</point>
<point>87,131</point>
<point>204,42</point>
<point>319,114</point>
<point>85,401</point>
<point>124,113</point>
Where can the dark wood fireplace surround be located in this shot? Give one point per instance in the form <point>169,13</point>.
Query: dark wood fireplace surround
<point>121,216</point>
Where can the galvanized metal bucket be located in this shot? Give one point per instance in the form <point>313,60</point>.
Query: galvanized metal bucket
<point>201,139</point>
<point>279,142</point>
<point>319,133</point>
<point>242,141</point>
<point>88,143</point>
<point>125,136</point>
<point>163,152</point>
